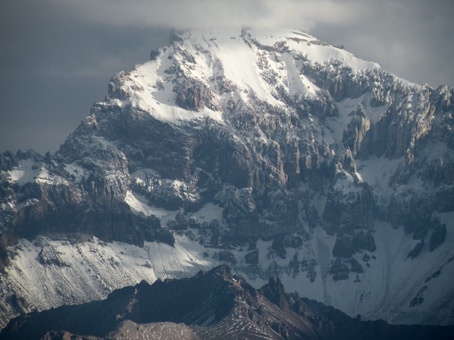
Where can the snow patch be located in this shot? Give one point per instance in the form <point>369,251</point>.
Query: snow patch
<point>23,173</point>
<point>209,212</point>
<point>315,50</point>
<point>138,204</point>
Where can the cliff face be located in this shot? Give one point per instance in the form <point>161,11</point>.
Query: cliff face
<point>272,151</point>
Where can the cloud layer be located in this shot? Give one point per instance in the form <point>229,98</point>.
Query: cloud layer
<point>184,14</point>
<point>409,37</point>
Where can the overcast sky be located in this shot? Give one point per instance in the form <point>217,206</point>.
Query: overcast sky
<point>57,56</point>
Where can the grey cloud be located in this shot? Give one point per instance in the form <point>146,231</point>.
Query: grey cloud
<point>197,13</point>
<point>408,37</point>
<point>53,66</point>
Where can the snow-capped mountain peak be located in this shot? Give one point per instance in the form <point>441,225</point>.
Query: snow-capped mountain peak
<point>269,150</point>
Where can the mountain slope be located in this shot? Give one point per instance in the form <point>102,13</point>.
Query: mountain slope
<point>212,305</point>
<point>272,151</point>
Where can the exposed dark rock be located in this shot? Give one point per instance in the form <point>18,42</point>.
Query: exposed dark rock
<point>351,240</point>
<point>226,256</point>
<point>416,250</point>
<point>252,257</point>
<point>438,236</point>
<point>194,95</point>
<point>285,241</point>
<point>183,222</point>
<point>50,257</point>
<point>355,266</point>
<point>154,54</point>
<point>339,270</point>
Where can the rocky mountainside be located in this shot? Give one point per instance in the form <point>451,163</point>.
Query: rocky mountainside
<point>268,150</point>
<point>212,305</point>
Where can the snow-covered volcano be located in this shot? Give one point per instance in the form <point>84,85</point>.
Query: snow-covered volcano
<point>269,150</point>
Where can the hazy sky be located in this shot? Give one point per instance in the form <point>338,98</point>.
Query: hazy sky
<point>57,56</point>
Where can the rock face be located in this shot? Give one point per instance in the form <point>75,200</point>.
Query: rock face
<point>212,305</point>
<point>272,151</point>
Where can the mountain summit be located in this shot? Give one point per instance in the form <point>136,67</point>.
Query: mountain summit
<point>272,151</point>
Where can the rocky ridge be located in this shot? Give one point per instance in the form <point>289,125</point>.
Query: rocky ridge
<point>211,305</point>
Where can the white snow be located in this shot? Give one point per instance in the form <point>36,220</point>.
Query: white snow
<point>397,279</point>
<point>386,287</point>
<point>23,173</point>
<point>30,171</point>
<point>184,257</point>
<point>298,83</point>
<point>139,204</point>
<point>90,270</point>
<point>315,50</point>
<point>239,63</point>
<point>77,171</point>
<point>44,177</point>
<point>378,171</point>
<point>209,212</point>
<point>346,109</point>
<point>144,94</point>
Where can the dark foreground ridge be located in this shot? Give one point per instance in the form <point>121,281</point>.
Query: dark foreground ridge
<point>211,305</point>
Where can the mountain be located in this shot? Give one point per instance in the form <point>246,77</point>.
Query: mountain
<point>212,305</point>
<point>269,150</point>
